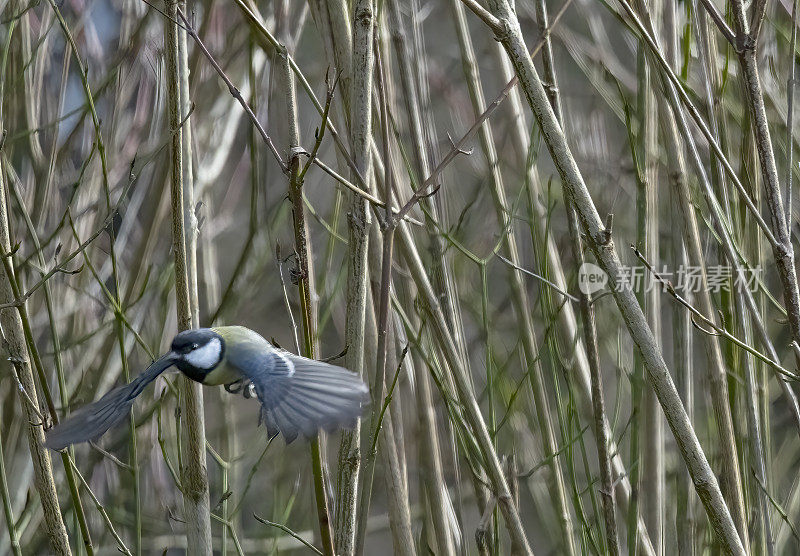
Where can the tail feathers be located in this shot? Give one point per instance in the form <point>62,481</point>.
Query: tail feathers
<point>316,396</point>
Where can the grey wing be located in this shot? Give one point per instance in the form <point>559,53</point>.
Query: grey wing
<point>92,421</point>
<point>300,396</point>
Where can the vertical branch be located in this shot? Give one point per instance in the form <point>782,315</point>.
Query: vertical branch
<point>782,249</point>
<point>586,375</point>
<point>400,519</point>
<point>674,125</point>
<point>39,367</point>
<point>194,478</point>
<point>651,455</point>
<point>8,511</point>
<point>601,425</point>
<point>359,220</point>
<point>790,86</point>
<point>14,340</point>
<point>683,347</point>
<point>684,373</point>
<point>378,389</point>
<point>600,242</point>
<point>423,151</point>
<point>763,541</point>
<point>754,428</point>
<point>518,292</point>
<point>305,286</point>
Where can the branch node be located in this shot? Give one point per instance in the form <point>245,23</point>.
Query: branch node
<point>456,148</point>
<point>503,30</point>
<point>744,42</point>
<point>605,233</point>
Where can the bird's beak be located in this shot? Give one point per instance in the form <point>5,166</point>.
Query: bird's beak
<point>164,362</point>
<point>160,365</point>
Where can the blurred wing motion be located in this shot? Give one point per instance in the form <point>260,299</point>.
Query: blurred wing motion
<point>92,421</point>
<point>302,396</point>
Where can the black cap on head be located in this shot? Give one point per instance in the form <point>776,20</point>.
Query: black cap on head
<point>192,339</point>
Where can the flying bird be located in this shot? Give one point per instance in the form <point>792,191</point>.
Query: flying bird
<point>298,396</point>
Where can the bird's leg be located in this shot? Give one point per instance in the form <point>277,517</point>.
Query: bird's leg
<point>234,387</point>
<point>241,386</point>
<point>249,391</point>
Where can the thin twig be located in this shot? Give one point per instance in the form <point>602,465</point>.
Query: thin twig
<point>234,92</point>
<point>458,147</point>
<point>305,285</point>
<point>540,278</point>
<point>494,23</point>
<point>323,126</point>
<point>715,328</point>
<point>288,531</point>
<point>705,481</point>
<point>192,434</point>
<point>719,20</point>
<point>398,510</point>
<point>109,525</point>
<point>790,84</point>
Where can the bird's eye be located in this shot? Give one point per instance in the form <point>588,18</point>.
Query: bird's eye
<point>195,346</point>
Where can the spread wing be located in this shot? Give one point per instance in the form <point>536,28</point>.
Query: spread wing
<point>300,396</point>
<point>92,421</point>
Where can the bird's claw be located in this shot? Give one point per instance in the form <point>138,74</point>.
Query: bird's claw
<point>234,387</point>
<point>243,387</point>
<point>249,391</point>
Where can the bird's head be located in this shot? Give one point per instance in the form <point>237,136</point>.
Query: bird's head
<point>197,352</point>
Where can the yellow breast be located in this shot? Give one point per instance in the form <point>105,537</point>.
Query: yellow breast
<point>222,374</point>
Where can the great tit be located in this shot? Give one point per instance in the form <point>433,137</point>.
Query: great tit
<point>297,395</point>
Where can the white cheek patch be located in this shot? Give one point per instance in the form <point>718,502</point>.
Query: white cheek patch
<point>205,357</point>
